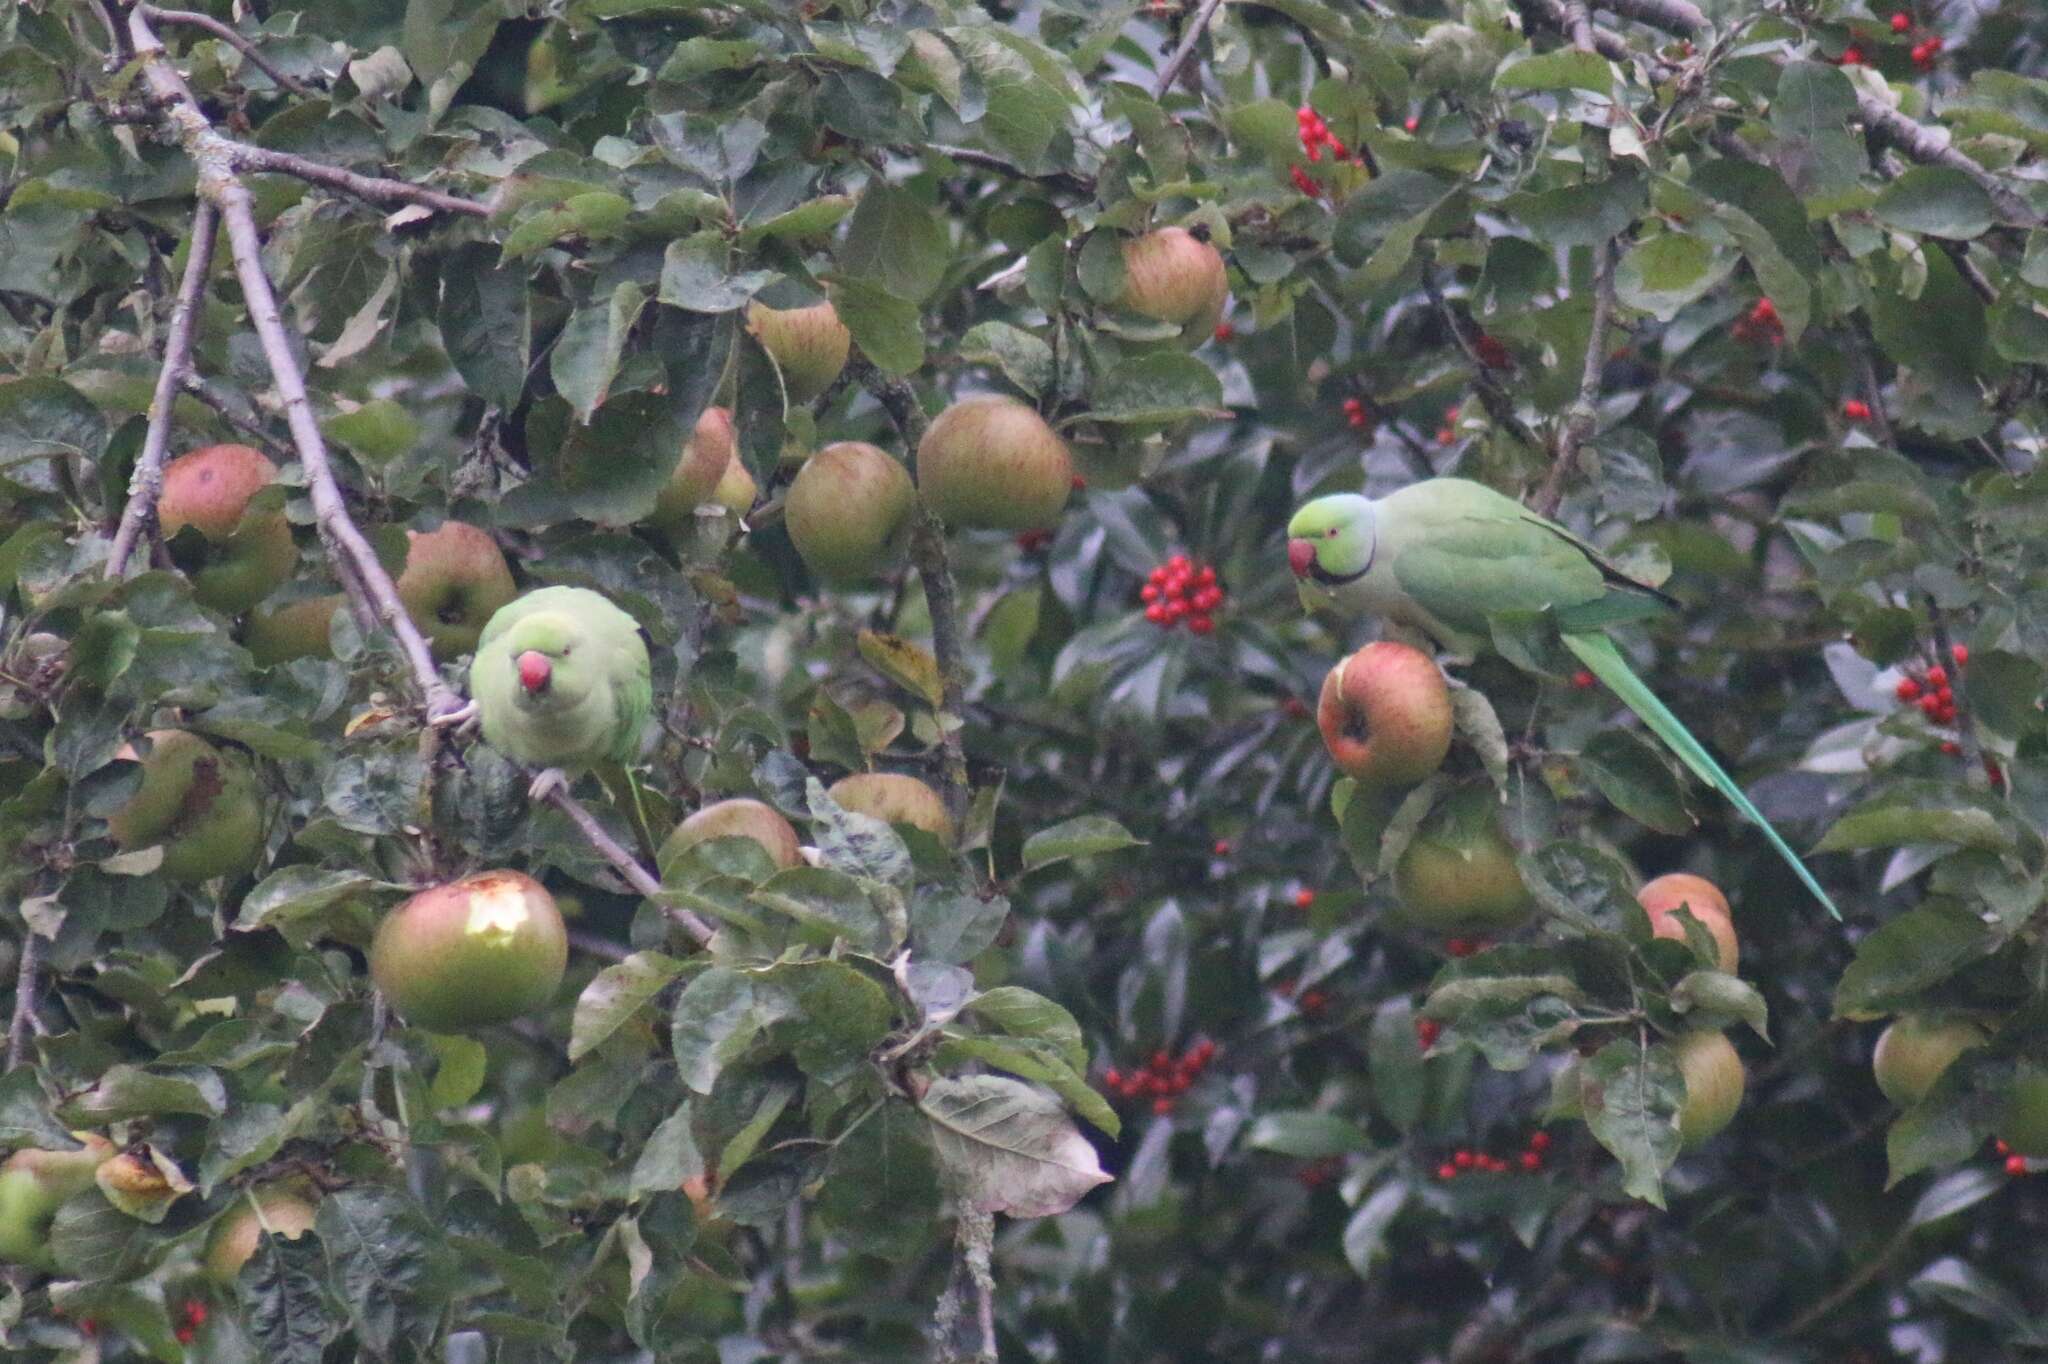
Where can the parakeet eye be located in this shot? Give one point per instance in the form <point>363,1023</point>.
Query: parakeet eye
<point>1331,532</point>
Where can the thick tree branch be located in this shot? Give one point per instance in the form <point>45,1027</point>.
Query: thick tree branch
<point>139,515</point>
<point>628,867</point>
<point>233,39</point>
<point>1921,143</point>
<point>935,570</point>
<point>1190,37</point>
<point>1584,413</point>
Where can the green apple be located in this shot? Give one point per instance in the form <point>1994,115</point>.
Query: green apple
<point>1703,900</point>
<point>234,1237</point>
<point>1713,1085</point>
<point>297,629</point>
<point>200,802</point>
<point>736,488</point>
<point>848,511</point>
<point>894,799</point>
<point>1385,715</point>
<point>739,817</point>
<point>1458,873</point>
<point>990,462</point>
<point>1172,275</point>
<point>809,345</point>
<point>484,949</point>
<point>713,446</point>
<point>33,1184</point>
<point>1912,1053</point>
<point>455,580</point>
<point>247,556</point>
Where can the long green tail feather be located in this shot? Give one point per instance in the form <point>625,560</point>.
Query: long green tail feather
<point>1605,662</point>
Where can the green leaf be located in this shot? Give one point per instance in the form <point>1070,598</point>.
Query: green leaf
<point>889,330</point>
<point>1031,1059</point>
<point>697,275</point>
<point>715,1021</point>
<point>881,1193</point>
<point>829,905</point>
<point>1714,1000</point>
<point>895,243</point>
<point>126,1091</point>
<point>587,353</point>
<point>1365,1235</point>
<point>1810,116</point>
<point>1585,887</point>
<point>857,844</point>
<point>1939,201</point>
<point>1024,360</point>
<point>461,1063</point>
<point>1377,227</point>
<point>1664,273</point>
<point>1007,1147</point>
<point>1306,1135</point>
<point>669,1157</point>
<point>1918,812</point>
<point>1160,386</point>
<point>844,1016</point>
<point>1631,1093</point>
<point>910,666</point>
<point>615,995</point>
<point>378,431</point>
<point>1026,1013</point>
<point>1082,836</point>
<point>1637,780</point>
<point>1560,69</point>
<point>295,900</point>
<point>1907,954</point>
<point>25,1118</point>
<point>384,1258</point>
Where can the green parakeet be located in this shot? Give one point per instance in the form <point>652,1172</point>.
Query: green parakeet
<point>1446,556</point>
<point>562,682</point>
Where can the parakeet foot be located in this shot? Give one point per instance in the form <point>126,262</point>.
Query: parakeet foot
<point>546,783</point>
<point>457,718</point>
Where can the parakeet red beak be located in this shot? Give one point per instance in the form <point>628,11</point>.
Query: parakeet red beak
<point>1301,557</point>
<point>534,670</point>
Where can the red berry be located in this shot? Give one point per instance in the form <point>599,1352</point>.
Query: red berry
<point>1856,410</point>
<point>1294,708</point>
<point>1935,42</point>
<point>1412,123</point>
<point>1304,184</point>
<point>1463,1160</point>
<point>1314,1002</point>
<point>1930,706</point>
<point>1532,1160</point>
<point>1156,613</point>
<point>1304,898</point>
<point>1357,420</point>
<point>1162,1106</point>
<point>1080,484</point>
<point>185,1334</point>
<point>1951,748</point>
<point>1205,576</point>
<point>88,1326</point>
<point>1491,352</point>
<point>1160,1060</point>
<point>1178,563</point>
<point>1205,1049</point>
<point>1493,1164</point>
<point>1583,680</point>
<point>1901,22</point>
<point>1998,1144</point>
<point>1134,1086</point>
<point>1201,625</point>
<point>1113,1077</point>
<point>1175,609</point>
<point>1539,1141</point>
<point>1284,987</point>
<point>1427,1031</point>
<point>1225,332</point>
<point>1961,653</point>
<point>1764,311</point>
<point>1852,55</point>
<point>1461,947</point>
<point>1149,592</point>
<point>1208,598</point>
<point>1947,697</point>
<point>1222,848</point>
<point>2015,1165</point>
<point>1446,1171</point>
<point>1994,772</point>
<point>1908,689</point>
<point>1446,436</point>
<point>1937,676</point>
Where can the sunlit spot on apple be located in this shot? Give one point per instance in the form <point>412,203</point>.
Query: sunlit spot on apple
<point>497,911</point>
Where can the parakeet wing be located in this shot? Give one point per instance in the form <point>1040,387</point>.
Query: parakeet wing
<point>1467,568</point>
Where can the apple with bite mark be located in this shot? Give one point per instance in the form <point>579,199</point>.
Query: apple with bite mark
<point>1385,715</point>
<point>487,948</point>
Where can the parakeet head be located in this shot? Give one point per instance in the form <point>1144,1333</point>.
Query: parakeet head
<point>544,650</point>
<point>1330,540</point>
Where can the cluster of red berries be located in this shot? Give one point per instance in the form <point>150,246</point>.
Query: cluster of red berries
<point>1448,433</point>
<point>1760,325</point>
<point>1930,690</point>
<point>1316,135</point>
<point>1181,590</point>
<point>2015,1164</point>
<point>1855,410</point>
<point>1164,1078</point>
<point>1924,51</point>
<point>1427,1030</point>
<point>190,1318</point>
<point>1303,183</point>
<point>1311,1001</point>
<point>1465,1161</point>
<point>1355,415</point>
<point>1225,332</point>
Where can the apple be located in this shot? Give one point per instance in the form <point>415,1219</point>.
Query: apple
<point>1385,715</point>
<point>1912,1053</point>
<point>209,490</point>
<point>809,345</point>
<point>848,510</point>
<point>712,447</point>
<point>1172,275</point>
<point>484,949</point>
<point>1701,898</point>
<point>200,802</point>
<point>736,818</point>
<point>736,488</point>
<point>990,462</point>
<point>297,629</point>
<point>1713,1085</point>
<point>2025,1128</point>
<point>1458,873</point>
<point>894,799</point>
<point>234,1237</point>
<point>33,1184</point>
<point>455,579</point>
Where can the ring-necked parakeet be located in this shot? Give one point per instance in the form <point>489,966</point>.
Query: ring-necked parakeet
<point>562,682</point>
<point>1446,556</point>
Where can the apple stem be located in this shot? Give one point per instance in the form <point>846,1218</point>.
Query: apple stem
<point>147,482</point>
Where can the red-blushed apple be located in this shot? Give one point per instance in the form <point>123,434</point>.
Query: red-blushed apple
<point>484,949</point>
<point>739,817</point>
<point>33,1184</point>
<point>1713,1085</point>
<point>1171,275</point>
<point>1912,1053</point>
<point>809,345</point>
<point>246,557</point>
<point>202,803</point>
<point>1385,715</point>
<point>713,446</point>
<point>989,462</point>
<point>297,629</point>
<point>1662,897</point>
<point>234,1237</point>
<point>1458,875</point>
<point>848,511</point>
<point>455,579</point>
<point>894,799</point>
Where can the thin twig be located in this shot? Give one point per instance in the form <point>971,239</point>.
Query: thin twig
<point>27,980</point>
<point>375,188</point>
<point>1492,396</point>
<point>1190,36</point>
<point>1584,413</point>
<point>215,158</point>
<point>144,485</point>
<point>1966,723</point>
<point>628,867</point>
<point>935,570</point>
<point>232,39</point>
<point>1855,1283</point>
<point>203,389</point>
<point>1071,181</point>
<point>592,945</point>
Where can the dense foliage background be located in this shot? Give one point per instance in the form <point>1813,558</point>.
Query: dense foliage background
<point>1749,293</point>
